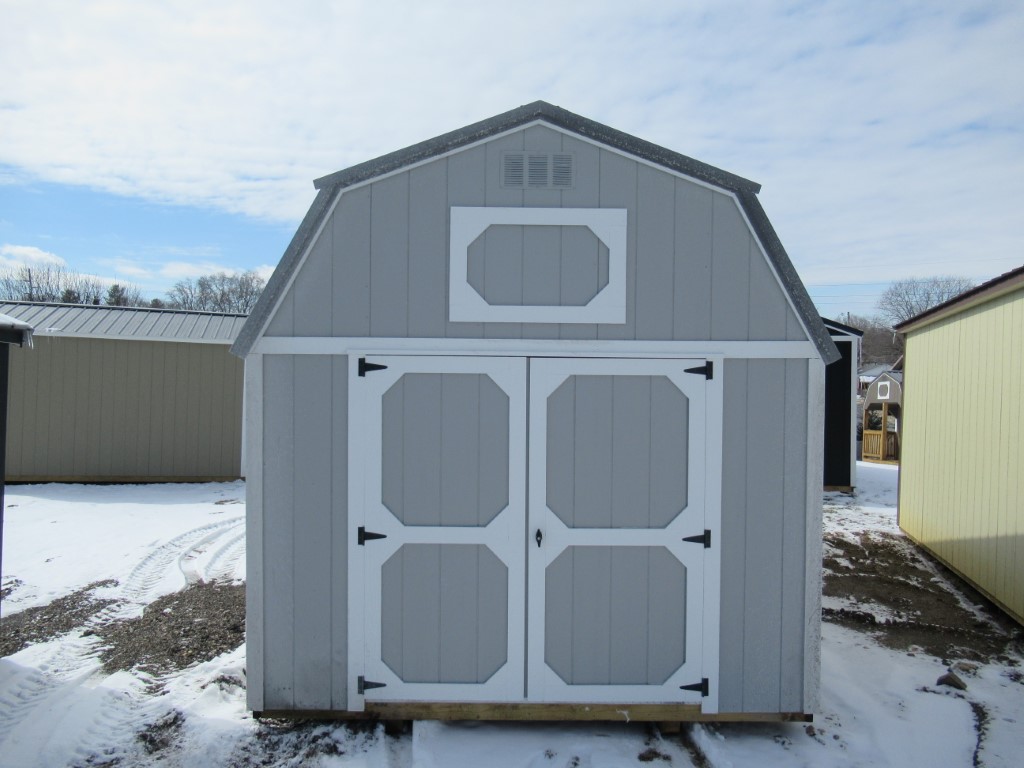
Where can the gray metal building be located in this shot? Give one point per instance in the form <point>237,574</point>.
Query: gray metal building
<point>534,430</point>
<point>124,394</point>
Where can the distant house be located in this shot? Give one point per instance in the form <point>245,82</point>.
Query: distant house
<point>881,416</point>
<point>124,394</point>
<point>841,386</point>
<point>961,481</point>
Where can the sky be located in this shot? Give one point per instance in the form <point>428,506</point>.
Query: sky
<point>157,141</point>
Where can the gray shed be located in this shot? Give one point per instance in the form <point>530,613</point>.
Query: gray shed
<point>534,418</point>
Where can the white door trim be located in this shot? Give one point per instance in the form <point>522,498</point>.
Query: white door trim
<point>702,587</point>
<point>503,535</point>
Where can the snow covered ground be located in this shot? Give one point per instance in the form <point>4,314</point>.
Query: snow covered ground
<point>58,707</point>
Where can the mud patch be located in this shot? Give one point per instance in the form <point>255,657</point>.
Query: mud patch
<point>303,742</point>
<point>45,622</point>
<point>163,734</point>
<point>177,630</point>
<point>8,587</point>
<point>907,600</point>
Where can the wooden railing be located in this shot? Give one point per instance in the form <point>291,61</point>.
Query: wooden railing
<point>880,446</point>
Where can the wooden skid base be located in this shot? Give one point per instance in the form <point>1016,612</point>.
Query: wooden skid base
<point>663,713</point>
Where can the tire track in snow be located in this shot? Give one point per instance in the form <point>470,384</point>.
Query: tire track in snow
<point>222,564</point>
<point>73,666</point>
<point>154,566</point>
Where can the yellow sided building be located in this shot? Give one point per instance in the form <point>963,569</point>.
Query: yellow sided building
<point>962,470</point>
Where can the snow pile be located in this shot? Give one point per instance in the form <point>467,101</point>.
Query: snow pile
<point>58,707</point>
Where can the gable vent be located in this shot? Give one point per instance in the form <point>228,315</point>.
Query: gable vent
<point>512,170</point>
<point>537,170</point>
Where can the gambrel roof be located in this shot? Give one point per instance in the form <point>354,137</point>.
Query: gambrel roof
<point>744,190</point>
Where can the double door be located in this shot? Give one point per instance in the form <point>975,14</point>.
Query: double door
<point>526,529</point>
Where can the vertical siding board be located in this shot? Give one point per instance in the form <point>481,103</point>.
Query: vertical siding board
<point>655,253</point>
<point>618,189</point>
<point>732,660</point>
<point>766,382</point>
<point>769,310</point>
<point>541,139</point>
<point>669,452</point>
<point>631,452</point>
<point>668,635</point>
<point>591,615</point>
<point>283,321</point>
<point>339,534</point>
<point>311,513</point>
<point>279,554</point>
<point>585,194</point>
<point>389,257</point>
<point>593,452</point>
<point>421,453</point>
<point>421,625</point>
<point>793,576</point>
<point>794,330</point>
<point>492,615</point>
<point>392,632</point>
<point>142,406</point>
<point>458,620</point>
<point>350,226</point>
<point>312,288</point>
<point>629,619</point>
<point>578,266</point>
<point>558,592</point>
<point>730,272</point>
<point>428,250</point>
<point>467,183</point>
<point>691,285</point>
<point>545,284</point>
<point>503,277</point>
<point>462,423</point>
<point>15,418</point>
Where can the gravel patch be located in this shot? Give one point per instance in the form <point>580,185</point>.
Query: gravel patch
<point>45,622</point>
<point>177,630</point>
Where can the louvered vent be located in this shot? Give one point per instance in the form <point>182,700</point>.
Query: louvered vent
<point>535,170</point>
<point>561,171</point>
<point>512,170</point>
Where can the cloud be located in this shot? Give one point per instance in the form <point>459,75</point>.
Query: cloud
<point>14,256</point>
<point>882,132</point>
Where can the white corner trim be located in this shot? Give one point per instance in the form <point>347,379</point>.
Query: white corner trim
<point>607,224</point>
<point>813,543</point>
<point>254,591</point>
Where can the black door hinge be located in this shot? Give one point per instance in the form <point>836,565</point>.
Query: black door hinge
<point>365,366</point>
<point>364,685</point>
<point>702,686</point>
<point>707,370</point>
<point>700,538</point>
<point>365,535</point>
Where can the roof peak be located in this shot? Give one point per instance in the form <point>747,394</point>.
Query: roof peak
<point>516,118</point>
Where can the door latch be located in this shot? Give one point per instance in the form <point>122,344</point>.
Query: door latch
<point>539,537</point>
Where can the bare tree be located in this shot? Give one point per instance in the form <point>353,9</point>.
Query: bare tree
<point>126,295</point>
<point>880,343</point>
<point>50,283</point>
<point>905,299</point>
<point>219,292</point>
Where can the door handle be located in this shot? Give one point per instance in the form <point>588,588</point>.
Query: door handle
<point>539,537</point>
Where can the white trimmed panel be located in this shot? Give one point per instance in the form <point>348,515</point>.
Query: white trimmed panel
<point>607,224</point>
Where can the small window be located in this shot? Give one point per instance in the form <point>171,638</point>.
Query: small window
<point>883,390</point>
<point>586,246</point>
